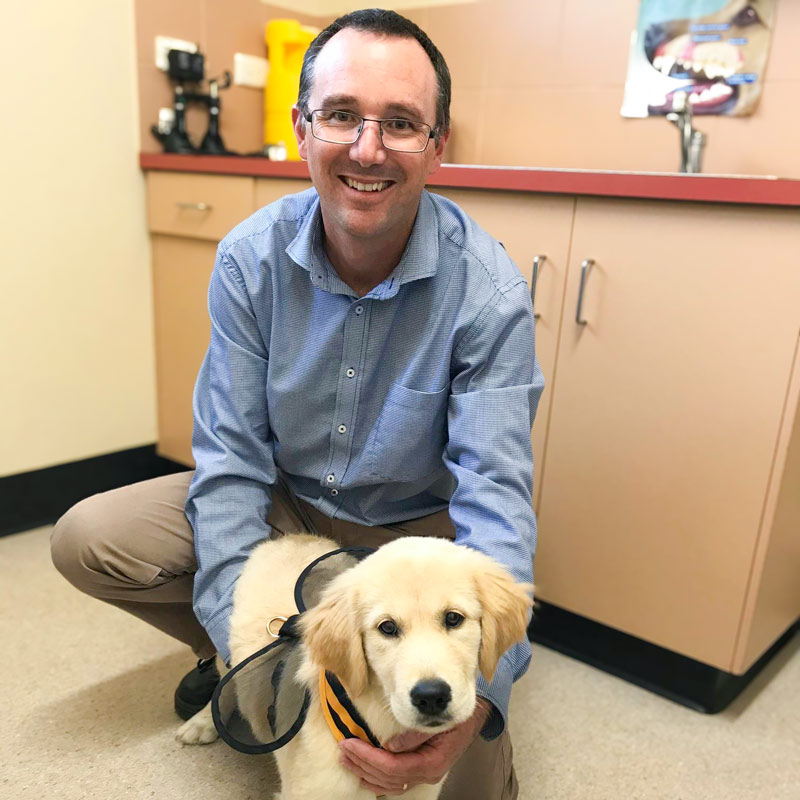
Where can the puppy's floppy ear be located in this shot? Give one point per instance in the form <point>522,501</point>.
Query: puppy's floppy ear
<point>505,613</point>
<point>333,636</point>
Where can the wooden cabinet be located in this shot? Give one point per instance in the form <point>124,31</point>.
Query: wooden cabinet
<point>666,445</point>
<point>188,214</point>
<point>667,441</point>
<point>181,273</point>
<point>668,408</point>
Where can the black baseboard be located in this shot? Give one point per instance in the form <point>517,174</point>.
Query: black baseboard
<point>32,499</point>
<point>662,671</point>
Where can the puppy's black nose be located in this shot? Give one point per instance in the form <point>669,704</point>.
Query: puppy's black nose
<point>431,697</point>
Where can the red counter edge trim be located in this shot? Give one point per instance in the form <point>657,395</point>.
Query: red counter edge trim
<point>698,188</point>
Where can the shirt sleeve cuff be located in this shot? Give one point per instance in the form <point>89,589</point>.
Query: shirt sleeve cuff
<point>498,693</point>
<point>218,630</point>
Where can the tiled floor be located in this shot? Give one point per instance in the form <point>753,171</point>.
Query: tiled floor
<point>87,713</point>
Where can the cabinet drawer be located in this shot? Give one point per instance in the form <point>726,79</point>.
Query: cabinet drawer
<point>268,190</point>
<point>199,206</point>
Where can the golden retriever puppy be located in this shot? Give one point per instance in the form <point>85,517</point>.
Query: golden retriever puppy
<point>406,631</point>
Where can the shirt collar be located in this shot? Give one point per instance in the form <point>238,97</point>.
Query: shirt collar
<point>419,259</point>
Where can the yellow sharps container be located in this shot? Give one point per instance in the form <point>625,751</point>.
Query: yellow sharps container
<point>287,42</point>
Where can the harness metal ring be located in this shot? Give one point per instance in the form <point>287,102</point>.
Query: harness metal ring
<point>272,633</point>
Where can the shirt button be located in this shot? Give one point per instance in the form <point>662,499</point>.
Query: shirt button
<point>359,309</point>
<point>334,492</point>
<point>342,429</point>
<point>330,478</point>
<point>350,373</point>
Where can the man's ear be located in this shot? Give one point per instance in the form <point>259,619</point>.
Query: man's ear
<point>332,636</point>
<point>438,152</point>
<point>300,131</point>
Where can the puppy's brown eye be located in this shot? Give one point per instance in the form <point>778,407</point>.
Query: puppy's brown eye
<point>388,628</point>
<point>452,619</point>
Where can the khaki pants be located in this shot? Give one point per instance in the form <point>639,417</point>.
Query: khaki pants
<point>134,548</point>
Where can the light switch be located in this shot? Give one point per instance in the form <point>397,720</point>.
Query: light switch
<point>250,70</point>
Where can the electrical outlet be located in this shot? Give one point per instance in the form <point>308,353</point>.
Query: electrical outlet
<point>250,70</point>
<point>166,43</point>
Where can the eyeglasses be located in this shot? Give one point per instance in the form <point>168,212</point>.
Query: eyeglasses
<point>344,127</point>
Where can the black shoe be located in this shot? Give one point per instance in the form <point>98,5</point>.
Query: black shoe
<point>196,688</point>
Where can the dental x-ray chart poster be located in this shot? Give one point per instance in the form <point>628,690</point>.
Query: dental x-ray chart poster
<point>714,50</point>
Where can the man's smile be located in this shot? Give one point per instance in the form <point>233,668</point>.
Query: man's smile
<point>365,184</point>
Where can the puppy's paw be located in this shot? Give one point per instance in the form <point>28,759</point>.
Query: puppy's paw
<point>199,729</point>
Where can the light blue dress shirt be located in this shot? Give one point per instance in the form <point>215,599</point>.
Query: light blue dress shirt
<point>375,409</point>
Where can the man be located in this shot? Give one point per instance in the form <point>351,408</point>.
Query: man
<point>371,373</point>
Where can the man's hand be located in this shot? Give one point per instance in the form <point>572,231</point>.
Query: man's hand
<point>411,758</point>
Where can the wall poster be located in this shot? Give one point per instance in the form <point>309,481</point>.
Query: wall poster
<point>713,50</point>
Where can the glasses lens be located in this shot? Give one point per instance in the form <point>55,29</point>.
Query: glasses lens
<point>343,127</point>
<point>405,135</point>
<point>335,126</point>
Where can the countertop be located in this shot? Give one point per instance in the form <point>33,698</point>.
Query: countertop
<point>741,189</point>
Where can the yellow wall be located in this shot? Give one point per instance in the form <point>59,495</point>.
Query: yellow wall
<point>76,340</point>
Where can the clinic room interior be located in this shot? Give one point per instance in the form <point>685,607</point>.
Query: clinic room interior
<point>639,162</point>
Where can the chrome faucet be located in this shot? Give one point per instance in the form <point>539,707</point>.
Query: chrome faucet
<point>692,141</point>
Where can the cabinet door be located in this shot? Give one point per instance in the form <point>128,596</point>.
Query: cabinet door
<point>665,417</point>
<point>529,226</point>
<point>181,274</point>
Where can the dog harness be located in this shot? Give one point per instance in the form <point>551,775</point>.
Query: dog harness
<point>341,715</point>
<point>265,683</point>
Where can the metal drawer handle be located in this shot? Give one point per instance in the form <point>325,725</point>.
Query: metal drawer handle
<point>194,206</point>
<point>537,262</point>
<point>586,265</point>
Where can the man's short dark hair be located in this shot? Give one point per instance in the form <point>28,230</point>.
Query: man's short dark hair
<point>385,23</point>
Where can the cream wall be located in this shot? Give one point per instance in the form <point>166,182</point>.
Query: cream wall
<point>76,331</point>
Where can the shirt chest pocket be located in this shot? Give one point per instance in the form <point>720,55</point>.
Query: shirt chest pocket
<point>410,435</point>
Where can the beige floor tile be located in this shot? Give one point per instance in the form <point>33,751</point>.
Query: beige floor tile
<point>87,713</point>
